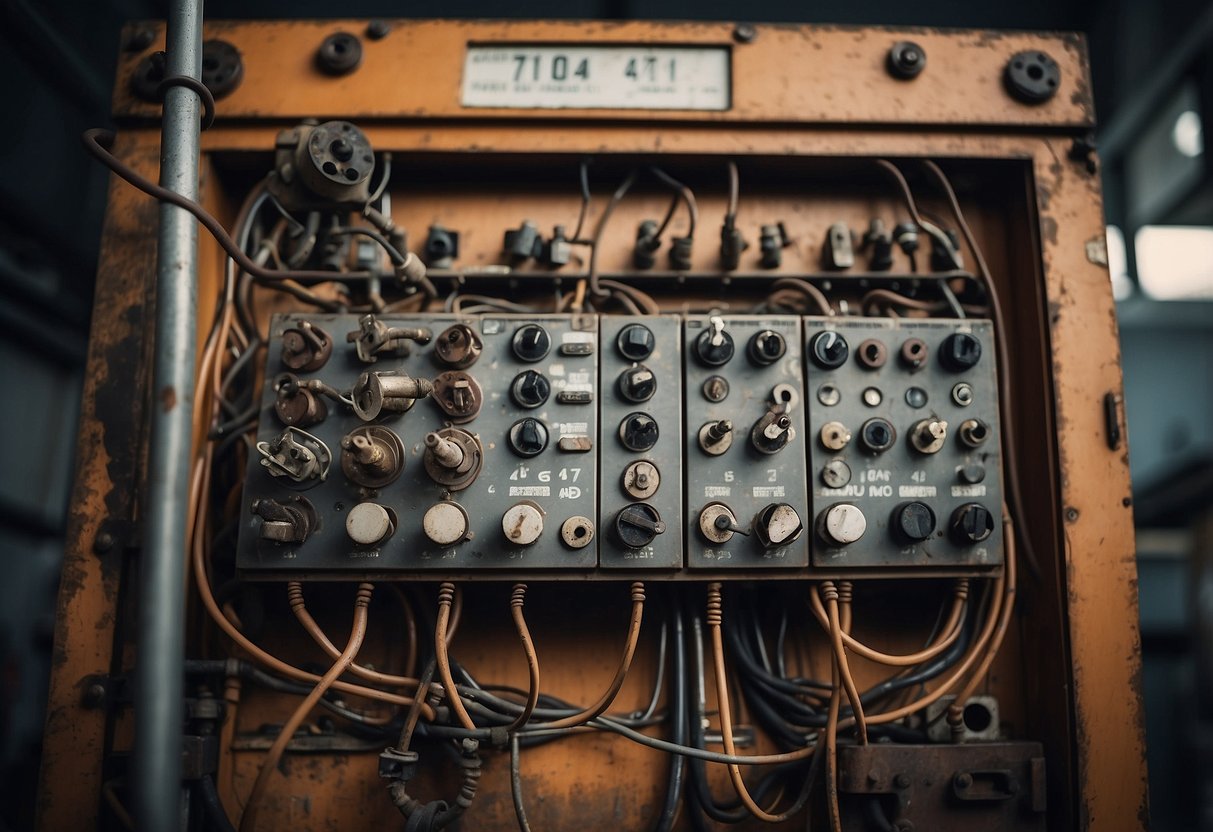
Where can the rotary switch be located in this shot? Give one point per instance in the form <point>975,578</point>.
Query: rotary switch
<point>445,523</point>
<point>714,346</point>
<point>530,389</point>
<point>528,437</point>
<point>636,342</point>
<point>777,525</point>
<point>522,523</point>
<point>637,525</point>
<point>369,524</point>
<point>841,523</point>
<point>637,384</point>
<point>718,523</point>
<point>913,522</point>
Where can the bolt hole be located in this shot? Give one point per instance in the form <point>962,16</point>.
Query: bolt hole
<point>1035,72</point>
<point>977,717</point>
<point>351,174</point>
<point>330,168</point>
<point>580,532</point>
<point>339,47</point>
<point>368,159</point>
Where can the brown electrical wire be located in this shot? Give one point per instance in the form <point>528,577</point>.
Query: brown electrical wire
<point>950,631</point>
<point>831,742</point>
<point>629,650</point>
<point>446,592</point>
<point>956,710</point>
<point>98,141</point>
<point>713,620</point>
<point>838,604</point>
<point>517,598</point>
<point>248,820</point>
<point>805,288</point>
<point>1001,348</point>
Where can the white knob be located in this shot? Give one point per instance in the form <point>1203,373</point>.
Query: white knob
<point>843,523</point>
<point>368,524</point>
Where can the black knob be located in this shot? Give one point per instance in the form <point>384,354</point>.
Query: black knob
<point>877,435</point>
<point>530,389</point>
<point>913,522</point>
<point>342,150</point>
<point>637,524</point>
<point>971,523</point>
<point>972,473</point>
<point>829,350</point>
<point>638,431</point>
<point>528,437</point>
<point>767,347</point>
<point>714,346</point>
<point>636,342</point>
<point>637,384</point>
<point>960,351</point>
<point>531,343</point>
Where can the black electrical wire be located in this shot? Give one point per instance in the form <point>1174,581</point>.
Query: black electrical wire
<point>217,818</point>
<point>688,197</point>
<point>678,719</point>
<point>516,784</point>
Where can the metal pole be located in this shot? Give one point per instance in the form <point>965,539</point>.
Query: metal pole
<point>159,668</point>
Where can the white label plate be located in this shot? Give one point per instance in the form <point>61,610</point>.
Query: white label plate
<point>597,77</point>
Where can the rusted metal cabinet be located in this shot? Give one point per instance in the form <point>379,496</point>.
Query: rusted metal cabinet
<point>803,99</point>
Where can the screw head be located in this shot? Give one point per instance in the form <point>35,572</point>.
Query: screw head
<point>378,29</point>
<point>906,60</point>
<point>745,33</point>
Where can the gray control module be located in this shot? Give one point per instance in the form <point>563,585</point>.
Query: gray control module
<point>744,457</point>
<point>904,443</point>
<point>640,453</point>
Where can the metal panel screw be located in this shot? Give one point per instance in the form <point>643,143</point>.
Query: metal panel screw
<point>744,33</point>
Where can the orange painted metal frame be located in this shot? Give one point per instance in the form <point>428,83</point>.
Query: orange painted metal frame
<point>798,91</point>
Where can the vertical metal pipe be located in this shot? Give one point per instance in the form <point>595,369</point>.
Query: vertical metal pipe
<point>159,668</point>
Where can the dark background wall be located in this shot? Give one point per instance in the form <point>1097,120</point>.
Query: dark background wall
<point>1151,62</point>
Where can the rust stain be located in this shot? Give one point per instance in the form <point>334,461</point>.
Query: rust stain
<point>168,399</point>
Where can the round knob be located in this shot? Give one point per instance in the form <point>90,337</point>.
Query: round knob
<point>528,437</point>
<point>369,524</point>
<point>971,473</point>
<point>842,523</point>
<point>636,342</point>
<point>877,435</point>
<point>836,474</point>
<point>960,351</point>
<point>531,343</point>
<point>530,389</point>
<point>971,523</point>
<point>716,437</point>
<point>641,480</point>
<point>636,525</point>
<point>638,431</point>
<point>714,346</point>
<point>445,523</point>
<point>829,350</point>
<point>913,522</point>
<point>522,523</point>
<point>777,525</point>
<point>637,384</point>
<point>767,347</point>
<point>718,523</point>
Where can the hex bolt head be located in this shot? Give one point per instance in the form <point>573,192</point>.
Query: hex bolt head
<point>638,431</point>
<point>637,384</point>
<point>828,350</point>
<point>530,389</point>
<point>913,522</point>
<point>960,351</point>
<point>971,523</point>
<point>636,342</point>
<point>528,437</point>
<point>531,343</point>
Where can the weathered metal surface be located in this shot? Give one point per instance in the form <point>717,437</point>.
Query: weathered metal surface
<point>786,73</point>
<point>103,505</point>
<point>1068,674</point>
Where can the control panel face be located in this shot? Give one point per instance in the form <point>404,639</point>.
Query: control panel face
<point>664,444</point>
<point>640,453</point>
<point>464,443</point>
<point>904,443</point>
<point>744,443</point>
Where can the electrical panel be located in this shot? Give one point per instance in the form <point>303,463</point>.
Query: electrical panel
<point>661,444</point>
<point>904,445</point>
